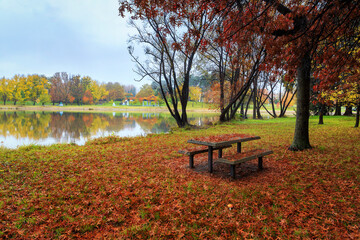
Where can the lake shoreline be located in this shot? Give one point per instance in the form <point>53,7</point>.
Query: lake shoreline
<point>155,109</point>
<point>98,109</point>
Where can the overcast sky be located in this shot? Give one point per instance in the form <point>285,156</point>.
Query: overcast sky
<point>85,37</point>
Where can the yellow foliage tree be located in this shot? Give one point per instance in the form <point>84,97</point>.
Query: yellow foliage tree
<point>18,87</point>
<point>98,91</point>
<point>195,94</point>
<point>345,93</point>
<point>5,90</point>
<point>36,85</point>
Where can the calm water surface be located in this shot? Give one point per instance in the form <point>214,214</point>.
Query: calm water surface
<point>45,128</point>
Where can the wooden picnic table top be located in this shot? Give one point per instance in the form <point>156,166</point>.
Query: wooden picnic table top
<point>222,140</point>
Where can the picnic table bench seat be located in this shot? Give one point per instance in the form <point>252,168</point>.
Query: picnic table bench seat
<point>202,149</point>
<point>238,158</point>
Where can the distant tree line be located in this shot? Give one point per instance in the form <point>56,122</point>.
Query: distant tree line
<point>60,88</point>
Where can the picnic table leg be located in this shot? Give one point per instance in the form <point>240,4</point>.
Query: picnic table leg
<point>210,159</point>
<point>220,153</point>
<point>191,161</point>
<point>260,165</point>
<point>232,171</point>
<point>239,147</point>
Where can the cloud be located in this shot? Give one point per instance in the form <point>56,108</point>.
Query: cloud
<point>97,20</point>
<point>91,20</point>
<point>84,37</point>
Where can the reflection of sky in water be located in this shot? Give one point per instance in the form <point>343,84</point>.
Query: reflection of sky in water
<point>78,128</point>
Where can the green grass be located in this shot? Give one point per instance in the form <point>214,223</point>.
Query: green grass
<point>191,106</point>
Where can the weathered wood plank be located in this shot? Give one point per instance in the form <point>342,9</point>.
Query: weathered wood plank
<point>223,143</point>
<point>238,158</point>
<point>194,151</point>
<point>245,156</point>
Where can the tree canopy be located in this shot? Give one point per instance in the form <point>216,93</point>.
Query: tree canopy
<point>302,40</point>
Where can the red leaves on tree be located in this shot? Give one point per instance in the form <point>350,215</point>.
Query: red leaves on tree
<point>88,98</point>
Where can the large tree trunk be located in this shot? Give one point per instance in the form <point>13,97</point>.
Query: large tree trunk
<point>321,114</point>
<point>222,96</point>
<point>242,110</point>
<point>247,106</point>
<point>348,111</point>
<point>357,115</point>
<point>301,136</point>
<point>258,113</point>
<point>254,99</point>
<point>337,110</point>
<point>179,121</point>
<point>184,100</point>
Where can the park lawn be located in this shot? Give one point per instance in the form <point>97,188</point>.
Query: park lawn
<point>107,107</point>
<point>142,188</point>
<point>192,107</point>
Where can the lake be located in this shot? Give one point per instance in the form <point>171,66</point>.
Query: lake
<point>19,128</point>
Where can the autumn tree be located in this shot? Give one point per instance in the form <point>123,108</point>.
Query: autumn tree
<point>213,95</point>
<point>17,85</point>
<point>145,91</point>
<point>116,91</point>
<point>171,44</point>
<point>66,78</point>
<point>5,90</point>
<point>232,62</point>
<point>79,85</point>
<point>57,89</point>
<point>60,89</point>
<point>98,91</point>
<point>343,92</point>
<point>36,86</point>
<point>76,89</point>
<point>295,34</point>
<point>85,82</point>
<point>44,98</point>
<point>87,98</point>
<point>310,36</point>
<point>195,94</point>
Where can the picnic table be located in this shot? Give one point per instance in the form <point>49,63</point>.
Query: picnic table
<point>225,141</point>
<point>221,141</point>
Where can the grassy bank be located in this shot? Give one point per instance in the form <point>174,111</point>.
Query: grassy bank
<point>192,107</point>
<point>142,188</point>
<point>106,107</point>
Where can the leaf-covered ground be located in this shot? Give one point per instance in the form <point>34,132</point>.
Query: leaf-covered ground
<point>142,188</point>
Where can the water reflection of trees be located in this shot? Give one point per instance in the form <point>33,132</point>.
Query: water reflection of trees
<point>72,126</point>
<point>23,124</point>
<point>58,125</point>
